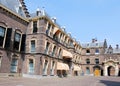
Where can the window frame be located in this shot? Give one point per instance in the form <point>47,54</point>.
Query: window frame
<point>14,65</point>
<point>4,37</point>
<point>16,41</point>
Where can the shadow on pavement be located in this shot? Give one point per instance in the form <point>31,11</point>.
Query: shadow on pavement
<point>110,83</point>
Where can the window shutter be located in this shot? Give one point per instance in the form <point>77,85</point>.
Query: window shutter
<point>8,38</point>
<point>23,42</point>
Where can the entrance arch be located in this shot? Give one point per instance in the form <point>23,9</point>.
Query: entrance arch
<point>111,71</point>
<point>111,67</point>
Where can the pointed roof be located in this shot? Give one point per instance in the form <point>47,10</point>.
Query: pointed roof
<point>14,5</point>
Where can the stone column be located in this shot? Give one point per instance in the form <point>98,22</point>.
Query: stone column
<point>105,71</point>
<point>116,70</point>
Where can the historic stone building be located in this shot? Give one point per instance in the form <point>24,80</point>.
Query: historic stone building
<point>34,45</point>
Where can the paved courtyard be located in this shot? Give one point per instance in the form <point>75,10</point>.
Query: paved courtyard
<point>69,81</point>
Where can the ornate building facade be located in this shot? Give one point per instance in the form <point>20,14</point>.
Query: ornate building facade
<point>34,45</point>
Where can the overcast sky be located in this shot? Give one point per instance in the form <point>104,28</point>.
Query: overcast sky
<point>85,19</point>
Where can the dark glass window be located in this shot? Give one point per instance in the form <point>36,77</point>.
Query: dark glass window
<point>8,38</point>
<point>96,51</point>
<point>35,27</point>
<point>17,41</point>
<point>2,34</point>
<point>97,61</point>
<point>87,61</point>
<point>87,51</point>
<point>23,42</point>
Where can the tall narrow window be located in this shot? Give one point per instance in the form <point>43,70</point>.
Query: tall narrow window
<point>45,68</point>
<point>54,50</point>
<point>23,42</point>
<point>17,41</point>
<point>51,32</point>
<point>14,64</point>
<point>47,48</point>
<point>35,27</point>
<point>31,66</point>
<point>8,38</point>
<point>2,34</point>
<point>52,68</point>
<point>97,61</point>
<point>32,46</point>
<point>48,29</point>
<point>59,54</point>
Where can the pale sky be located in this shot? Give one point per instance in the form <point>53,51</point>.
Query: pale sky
<point>85,19</point>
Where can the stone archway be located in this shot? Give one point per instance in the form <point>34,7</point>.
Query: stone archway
<point>111,68</point>
<point>111,71</point>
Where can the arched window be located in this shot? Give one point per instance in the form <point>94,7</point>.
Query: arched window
<point>87,51</point>
<point>87,70</point>
<point>87,61</point>
<point>97,61</point>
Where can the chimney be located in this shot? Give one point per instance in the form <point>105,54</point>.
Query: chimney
<point>54,19</point>
<point>117,46</point>
<point>38,12</point>
<point>110,47</point>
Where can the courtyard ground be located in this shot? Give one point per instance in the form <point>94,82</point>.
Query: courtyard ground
<point>55,81</point>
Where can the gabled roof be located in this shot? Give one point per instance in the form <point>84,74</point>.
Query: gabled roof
<point>95,44</point>
<point>13,5</point>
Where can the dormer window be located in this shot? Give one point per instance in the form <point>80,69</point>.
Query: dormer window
<point>97,51</point>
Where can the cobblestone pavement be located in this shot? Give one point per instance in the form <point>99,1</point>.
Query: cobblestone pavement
<point>69,81</point>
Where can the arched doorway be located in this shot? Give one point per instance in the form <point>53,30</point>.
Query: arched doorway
<point>111,67</point>
<point>97,71</point>
<point>111,71</point>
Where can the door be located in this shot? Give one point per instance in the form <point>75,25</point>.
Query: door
<point>97,72</point>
